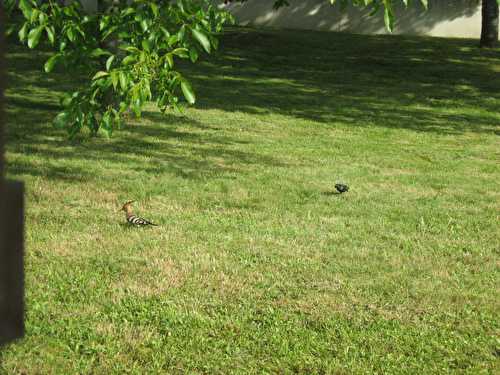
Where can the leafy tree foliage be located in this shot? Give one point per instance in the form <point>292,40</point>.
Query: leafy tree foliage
<point>130,48</point>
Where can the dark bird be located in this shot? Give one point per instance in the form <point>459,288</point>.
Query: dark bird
<point>134,219</point>
<point>341,188</point>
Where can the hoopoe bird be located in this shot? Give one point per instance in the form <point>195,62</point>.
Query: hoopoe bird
<point>134,219</point>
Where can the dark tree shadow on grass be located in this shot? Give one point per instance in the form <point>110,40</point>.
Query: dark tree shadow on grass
<point>433,85</point>
<point>138,141</point>
<point>194,155</point>
<point>390,81</point>
<point>32,103</point>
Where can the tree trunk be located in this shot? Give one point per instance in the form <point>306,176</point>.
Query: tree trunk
<point>11,236</point>
<point>489,29</point>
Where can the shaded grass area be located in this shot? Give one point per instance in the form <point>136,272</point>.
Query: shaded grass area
<point>257,267</point>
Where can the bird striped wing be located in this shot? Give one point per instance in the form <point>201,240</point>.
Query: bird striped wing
<point>136,220</point>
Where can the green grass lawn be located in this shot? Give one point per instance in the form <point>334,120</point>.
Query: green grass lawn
<point>256,266</point>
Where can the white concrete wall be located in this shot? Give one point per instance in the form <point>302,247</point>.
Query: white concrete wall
<point>90,6</point>
<point>447,18</point>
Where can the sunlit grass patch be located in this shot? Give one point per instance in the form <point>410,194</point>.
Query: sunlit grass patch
<point>257,266</point>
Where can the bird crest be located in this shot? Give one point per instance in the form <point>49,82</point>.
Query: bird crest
<point>127,206</point>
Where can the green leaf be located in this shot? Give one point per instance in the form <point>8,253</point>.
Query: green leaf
<point>34,15</point>
<point>123,81</point>
<point>99,52</point>
<point>93,124</point>
<point>109,61</point>
<point>34,36</point>
<point>170,60</point>
<point>215,42</point>
<point>129,59</point>
<point>426,3</point>
<point>107,131</point>
<point>172,40</point>
<point>65,100</point>
<point>193,55</point>
<point>177,107</point>
<point>42,18</point>
<point>104,22</point>
<point>154,36</point>
<point>182,33</point>
<point>123,107</point>
<point>26,8</point>
<point>181,52</point>
<point>154,9</point>
<point>388,16</point>
<point>106,124</point>
<point>61,120</point>
<point>94,95</point>
<point>50,34</point>
<point>166,34</point>
<point>146,90</point>
<point>129,48</point>
<point>71,35</point>
<point>202,39</point>
<point>80,30</point>
<point>375,8</point>
<point>180,4</point>
<point>108,32</point>
<point>10,30</point>
<point>99,75</point>
<point>50,63</point>
<point>145,45</point>
<point>136,107</point>
<point>127,12</point>
<point>114,79</point>
<point>23,32</point>
<point>188,92</point>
